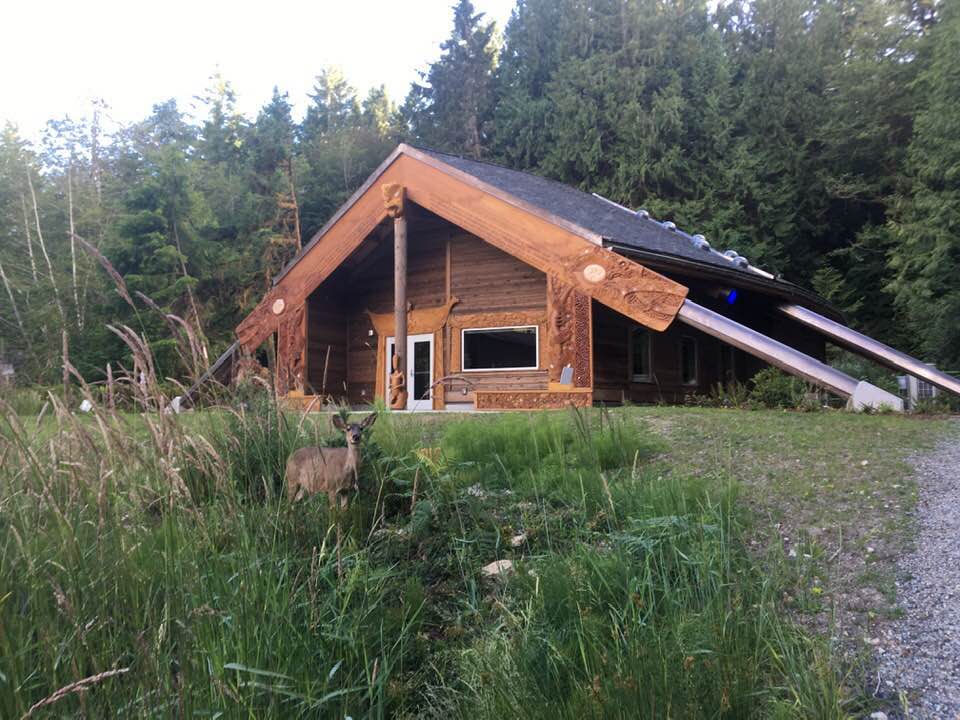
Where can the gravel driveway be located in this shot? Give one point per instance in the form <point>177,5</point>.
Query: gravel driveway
<point>920,654</point>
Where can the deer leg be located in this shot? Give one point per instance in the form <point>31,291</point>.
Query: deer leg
<point>298,496</point>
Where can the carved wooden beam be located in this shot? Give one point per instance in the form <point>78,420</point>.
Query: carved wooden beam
<point>321,256</point>
<point>291,347</point>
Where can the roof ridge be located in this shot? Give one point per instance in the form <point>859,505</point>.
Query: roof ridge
<point>491,163</point>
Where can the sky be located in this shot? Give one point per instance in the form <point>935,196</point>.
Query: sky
<point>59,55</point>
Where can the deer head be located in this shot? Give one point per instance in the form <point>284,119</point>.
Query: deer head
<point>353,431</point>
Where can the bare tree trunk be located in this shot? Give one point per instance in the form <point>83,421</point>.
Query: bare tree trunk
<point>66,365</point>
<point>73,247</point>
<point>111,400</point>
<point>95,150</point>
<point>13,303</point>
<point>26,227</point>
<point>43,247</point>
<point>296,206</point>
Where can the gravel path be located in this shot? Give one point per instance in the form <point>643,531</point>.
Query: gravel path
<point>920,654</point>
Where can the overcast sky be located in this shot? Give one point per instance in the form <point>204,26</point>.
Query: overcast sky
<point>57,55</point>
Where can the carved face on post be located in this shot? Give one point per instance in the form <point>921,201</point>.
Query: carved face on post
<point>393,196</point>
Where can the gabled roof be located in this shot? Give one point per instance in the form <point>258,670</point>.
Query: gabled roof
<point>595,218</point>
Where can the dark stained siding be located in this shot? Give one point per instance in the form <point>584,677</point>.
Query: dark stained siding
<point>611,356</point>
<point>488,280</point>
<point>362,348</point>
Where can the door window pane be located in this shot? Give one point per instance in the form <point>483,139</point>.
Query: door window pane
<point>421,369</point>
<point>500,348</point>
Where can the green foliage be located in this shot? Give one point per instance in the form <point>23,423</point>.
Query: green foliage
<point>773,388</point>
<point>640,594</point>
<point>927,226</point>
<point>256,442</point>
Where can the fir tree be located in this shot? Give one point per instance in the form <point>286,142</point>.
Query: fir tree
<point>451,110</point>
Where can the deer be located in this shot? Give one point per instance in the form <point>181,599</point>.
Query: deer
<point>312,470</point>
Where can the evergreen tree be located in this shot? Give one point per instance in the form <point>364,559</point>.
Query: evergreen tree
<point>451,110</point>
<point>926,257</point>
<point>333,106</point>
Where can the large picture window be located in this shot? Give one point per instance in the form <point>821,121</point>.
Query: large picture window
<point>640,355</point>
<point>501,348</point>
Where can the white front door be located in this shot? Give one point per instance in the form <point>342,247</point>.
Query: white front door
<point>419,370</point>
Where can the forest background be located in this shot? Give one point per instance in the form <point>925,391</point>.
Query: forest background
<point>818,138</point>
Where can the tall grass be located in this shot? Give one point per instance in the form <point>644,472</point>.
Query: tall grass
<point>162,547</point>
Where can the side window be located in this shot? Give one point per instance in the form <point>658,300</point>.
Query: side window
<point>688,361</point>
<point>640,365</point>
<point>728,364</point>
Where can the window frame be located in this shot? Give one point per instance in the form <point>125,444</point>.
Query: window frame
<point>536,347</point>
<point>634,378</point>
<point>696,361</point>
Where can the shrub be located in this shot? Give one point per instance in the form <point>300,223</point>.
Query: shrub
<point>255,443</point>
<point>773,388</point>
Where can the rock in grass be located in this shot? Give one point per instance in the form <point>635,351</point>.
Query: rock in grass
<point>498,569</point>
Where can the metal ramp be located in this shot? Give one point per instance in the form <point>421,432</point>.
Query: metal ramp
<point>870,348</point>
<point>858,393</point>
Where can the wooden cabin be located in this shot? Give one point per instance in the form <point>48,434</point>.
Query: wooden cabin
<point>499,289</point>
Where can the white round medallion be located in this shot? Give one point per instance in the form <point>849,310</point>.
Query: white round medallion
<point>594,273</point>
<point>278,306</point>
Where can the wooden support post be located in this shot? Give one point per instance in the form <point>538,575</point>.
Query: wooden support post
<point>393,195</point>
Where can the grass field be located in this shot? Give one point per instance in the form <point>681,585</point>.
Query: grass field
<point>667,562</point>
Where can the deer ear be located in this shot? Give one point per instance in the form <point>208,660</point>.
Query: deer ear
<point>338,422</point>
<point>369,420</point>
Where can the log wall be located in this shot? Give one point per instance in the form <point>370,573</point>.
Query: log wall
<point>326,329</point>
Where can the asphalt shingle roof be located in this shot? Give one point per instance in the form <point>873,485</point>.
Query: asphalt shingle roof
<point>614,224</point>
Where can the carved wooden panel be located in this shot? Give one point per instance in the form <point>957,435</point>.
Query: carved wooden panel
<point>568,328</point>
<point>419,320</point>
<point>532,400</point>
<point>628,287</point>
<point>291,351</point>
<point>583,341</point>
